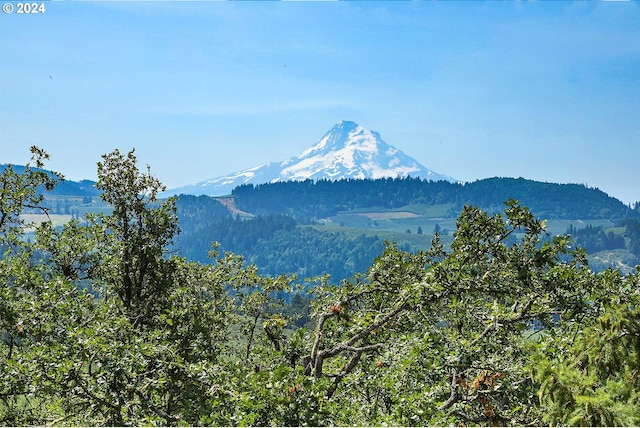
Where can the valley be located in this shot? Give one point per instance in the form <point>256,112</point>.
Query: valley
<point>362,229</point>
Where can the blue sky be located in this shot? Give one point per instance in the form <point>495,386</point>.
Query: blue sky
<point>543,90</point>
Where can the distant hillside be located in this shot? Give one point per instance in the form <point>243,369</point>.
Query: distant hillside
<point>319,199</point>
<point>338,227</point>
<point>84,188</point>
<point>272,242</point>
<point>546,200</point>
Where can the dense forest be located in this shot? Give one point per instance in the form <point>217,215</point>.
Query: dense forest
<point>324,198</point>
<point>632,231</point>
<point>101,323</point>
<point>594,239</point>
<point>309,252</point>
<point>272,242</point>
<point>276,243</point>
<point>274,230</point>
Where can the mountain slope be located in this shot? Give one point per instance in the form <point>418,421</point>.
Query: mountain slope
<point>347,151</point>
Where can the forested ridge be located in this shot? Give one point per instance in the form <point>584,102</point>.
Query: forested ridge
<point>101,323</point>
<point>324,198</point>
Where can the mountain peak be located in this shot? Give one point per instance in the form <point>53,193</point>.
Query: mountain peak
<point>346,151</point>
<point>345,124</point>
<point>335,137</point>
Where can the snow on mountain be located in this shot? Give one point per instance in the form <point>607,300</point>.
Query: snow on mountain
<point>347,151</point>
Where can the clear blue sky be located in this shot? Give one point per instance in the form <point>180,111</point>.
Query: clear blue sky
<point>543,90</point>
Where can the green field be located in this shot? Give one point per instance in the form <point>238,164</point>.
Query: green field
<point>410,217</point>
<point>394,225</point>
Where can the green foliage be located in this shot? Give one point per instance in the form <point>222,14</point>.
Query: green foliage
<point>19,191</point>
<point>136,350</point>
<point>276,246</point>
<point>101,325</point>
<point>548,200</point>
<point>593,380</point>
<point>236,235</point>
<point>272,242</point>
<point>450,327</point>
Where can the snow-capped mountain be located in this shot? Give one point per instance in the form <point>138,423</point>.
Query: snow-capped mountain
<point>347,151</point>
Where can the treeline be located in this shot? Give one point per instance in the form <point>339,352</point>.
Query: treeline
<point>276,243</point>
<point>271,241</point>
<point>63,188</point>
<point>547,200</point>
<point>200,211</point>
<point>324,198</point>
<point>311,199</point>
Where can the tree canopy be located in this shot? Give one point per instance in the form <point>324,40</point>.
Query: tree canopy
<point>101,324</point>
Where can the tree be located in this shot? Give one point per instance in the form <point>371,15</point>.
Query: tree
<point>23,191</point>
<point>138,232</point>
<point>102,326</point>
<point>161,322</point>
<point>593,379</point>
<point>29,295</point>
<point>444,336</point>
